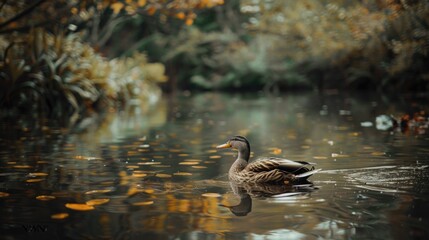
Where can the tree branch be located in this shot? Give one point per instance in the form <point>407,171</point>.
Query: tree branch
<point>21,14</point>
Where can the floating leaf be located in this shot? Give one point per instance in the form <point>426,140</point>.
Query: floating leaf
<point>192,160</point>
<point>79,206</point>
<point>139,175</point>
<point>45,197</point>
<point>182,174</point>
<point>148,191</point>
<point>99,201</point>
<point>145,203</point>
<point>199,167</point>
<point>276,151</point>
<point>163,175</point>
<point>37,174</point>
<point>319,157</point>
<point>59,215</point>
<point>378,153</point>
<point>215,157</point>
<point>22,166</point>
<point>4,194</point>
<point>189,163</point>
<point>132,166</point>
<point>183,154</point>
<point>211,195</point>
<point>98,191</point>
<point>34,180</point>
<point>149,163</point>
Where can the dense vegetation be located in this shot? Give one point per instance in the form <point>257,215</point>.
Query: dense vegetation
<point>380,45</point>
<point>71,57</point>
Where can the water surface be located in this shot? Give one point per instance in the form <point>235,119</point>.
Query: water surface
<point>154,172</point>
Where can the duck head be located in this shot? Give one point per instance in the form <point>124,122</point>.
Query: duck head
<point>239,143</point>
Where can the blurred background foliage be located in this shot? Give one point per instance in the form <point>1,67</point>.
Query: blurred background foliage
<point>71,57</point>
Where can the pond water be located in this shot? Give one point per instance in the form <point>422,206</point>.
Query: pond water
<point>153,172</point>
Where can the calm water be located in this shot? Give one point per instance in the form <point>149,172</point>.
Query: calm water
<point>152,172</point>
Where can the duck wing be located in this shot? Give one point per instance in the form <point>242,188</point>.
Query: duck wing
<point>268,164</point>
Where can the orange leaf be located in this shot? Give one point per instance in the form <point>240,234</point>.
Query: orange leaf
<point>151,10</point>
<point>180,15</point>
<point>116,7</point>
<point>79,206</point>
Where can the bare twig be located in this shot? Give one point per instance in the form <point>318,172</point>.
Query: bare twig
<point>21,14</point>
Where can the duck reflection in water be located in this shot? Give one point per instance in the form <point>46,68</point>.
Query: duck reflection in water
<point>245,191</point>
<point>264,177</point>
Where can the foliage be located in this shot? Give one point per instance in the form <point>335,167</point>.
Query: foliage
<point>42,72</point>
<point>370,44</point>
<point>287,44</point>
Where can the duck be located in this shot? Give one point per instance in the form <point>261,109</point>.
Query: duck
<point>270,170</point>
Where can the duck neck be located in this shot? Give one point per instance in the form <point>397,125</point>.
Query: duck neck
<point>244,154</point>
<point>241,161</point>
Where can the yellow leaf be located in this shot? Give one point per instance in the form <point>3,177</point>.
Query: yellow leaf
<point>34,180</point>
<point>141,3</point>
<point>99,201</point>
<point>79,206</point>
<point>116,7</point>
<point>45,197</point>
<point>189,21</point>
<point>163,175</point>
<point>182,174</point>
<point>59,215</point>
<point>98,191</point>
<point>212,195</point>
<point>38,174</point>
<point>188,163</point>
<point>143,203</point>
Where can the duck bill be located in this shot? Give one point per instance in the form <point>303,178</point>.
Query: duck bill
<point>225,145</point>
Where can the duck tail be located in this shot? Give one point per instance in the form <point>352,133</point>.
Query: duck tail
<point>307,174</point>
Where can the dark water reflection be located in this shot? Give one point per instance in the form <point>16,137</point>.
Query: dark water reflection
<point>163,179</point>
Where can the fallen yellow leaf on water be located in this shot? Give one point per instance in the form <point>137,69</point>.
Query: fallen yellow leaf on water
<point>192,160</point>
<point>132,166</point>
<point>59,215</point>
<point>182,174</point>
<point>139,175</point>
<point>4,194</point>
<point>38,174</point>
<point>79,206</point>
<point>148,163</point>
<point>99,201</point>
<point>163,175</point>
<point>34,180</point>
<point>199,167</point>
<point>320,157</point>
<point>45,197</point>
<point>215,195</point>
<point>215,157</point>
<point>149,191</point>
<point>378,153</point>
<point>98,191</point>
<point>188,163</point>
<point>22,166</point>
<point>143,203</point>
